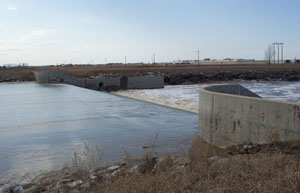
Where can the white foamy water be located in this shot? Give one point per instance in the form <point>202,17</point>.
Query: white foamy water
<point>185,97</point>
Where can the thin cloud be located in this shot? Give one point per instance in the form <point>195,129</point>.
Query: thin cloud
<point>6,50</point>
<point>48,43</point>
<point>10,8</point>
<point>35,35</point>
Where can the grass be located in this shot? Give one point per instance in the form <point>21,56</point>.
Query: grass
<point>25,73</point>
<point>275,168</point>
<point>89,158</point>
<point>267,172</point>
<point>259,173</point>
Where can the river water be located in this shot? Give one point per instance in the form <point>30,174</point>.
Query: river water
<point>42,125</point>
<point>186,97</point>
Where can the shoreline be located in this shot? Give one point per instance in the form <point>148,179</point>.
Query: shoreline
<point>215,169</point>
<point>174,75</point>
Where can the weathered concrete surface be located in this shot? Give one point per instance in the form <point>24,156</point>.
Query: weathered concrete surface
<point>144,82</point>
<point>227,119</point>
<point>102,83</point>
<point>49,77</point>
<point>234,89</point>
<point>58,77</point>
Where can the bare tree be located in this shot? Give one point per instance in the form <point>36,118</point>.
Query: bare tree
<point>269,54</point>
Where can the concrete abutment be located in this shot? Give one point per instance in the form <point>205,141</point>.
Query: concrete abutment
<point>231,114</point>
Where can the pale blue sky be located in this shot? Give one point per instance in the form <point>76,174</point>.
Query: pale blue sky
<point>42,32</point>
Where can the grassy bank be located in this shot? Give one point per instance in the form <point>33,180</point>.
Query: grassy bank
<point>244,168</point>
<point>25,73</point>
<point>204,168</point>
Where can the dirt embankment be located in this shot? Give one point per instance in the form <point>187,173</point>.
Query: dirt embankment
<point>173,74</point>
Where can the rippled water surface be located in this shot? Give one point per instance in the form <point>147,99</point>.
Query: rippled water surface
<point>42,125</point>
<point>282,91</point>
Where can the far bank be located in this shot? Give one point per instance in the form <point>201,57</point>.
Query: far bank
<point>173,75</point>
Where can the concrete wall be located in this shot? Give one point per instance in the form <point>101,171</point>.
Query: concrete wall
<point>102,83</point>
<point>227,119</point>
<point>105,83</point>
<point>73,81</point>
<point>58,77</point>
<point>144,82</point>
<point>49,77</point>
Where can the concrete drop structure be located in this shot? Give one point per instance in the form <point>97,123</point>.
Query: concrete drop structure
<point>231,114</point>
<point>102,83</point>
<point>228,114</point>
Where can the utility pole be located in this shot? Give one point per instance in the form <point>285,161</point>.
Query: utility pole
<point>281,52</point>
<point>274,52</point>
<point>154,59</point>
<point>278,52</point>
<point>198,57</point>
<point>279,47</point>
<point>125,61</point>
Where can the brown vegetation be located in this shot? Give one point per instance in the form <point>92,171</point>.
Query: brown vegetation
<point>25,73</point>
<point>272,169</point>
<point>243,168</point>
<point>87,71</point>
<point>16,74</point>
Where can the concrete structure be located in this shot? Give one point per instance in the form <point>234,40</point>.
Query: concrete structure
<point>231,114</point>
<point>144,82</point>
<point>102,83</point>
<point>58,77</point>
<point>49,77</point>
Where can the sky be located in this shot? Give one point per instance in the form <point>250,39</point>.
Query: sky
<point>50,32</point>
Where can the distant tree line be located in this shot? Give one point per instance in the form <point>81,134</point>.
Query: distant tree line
<point>20,65</point>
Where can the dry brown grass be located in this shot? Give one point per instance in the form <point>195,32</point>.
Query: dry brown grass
<point>25,74</point>
<point>17,74</point>
<point>86,71</point>
<point>275,168</point>
<point>268,171</point>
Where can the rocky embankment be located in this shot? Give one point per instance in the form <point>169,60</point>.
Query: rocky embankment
<point>205,77</point>
<point>206,168</point>
<point>16,77</point>
<point>73,179</point>
<point>178,78</point>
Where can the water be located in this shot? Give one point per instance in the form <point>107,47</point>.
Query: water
<point>42,125</point>
<point>282,91</point>
<point>187,96</point>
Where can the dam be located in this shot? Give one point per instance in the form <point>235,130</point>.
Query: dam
<point>43,124</point>
<point>103,83</point>
<point>229,114</point>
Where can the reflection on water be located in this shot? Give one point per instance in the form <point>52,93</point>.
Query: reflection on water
<point>42,125</point>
